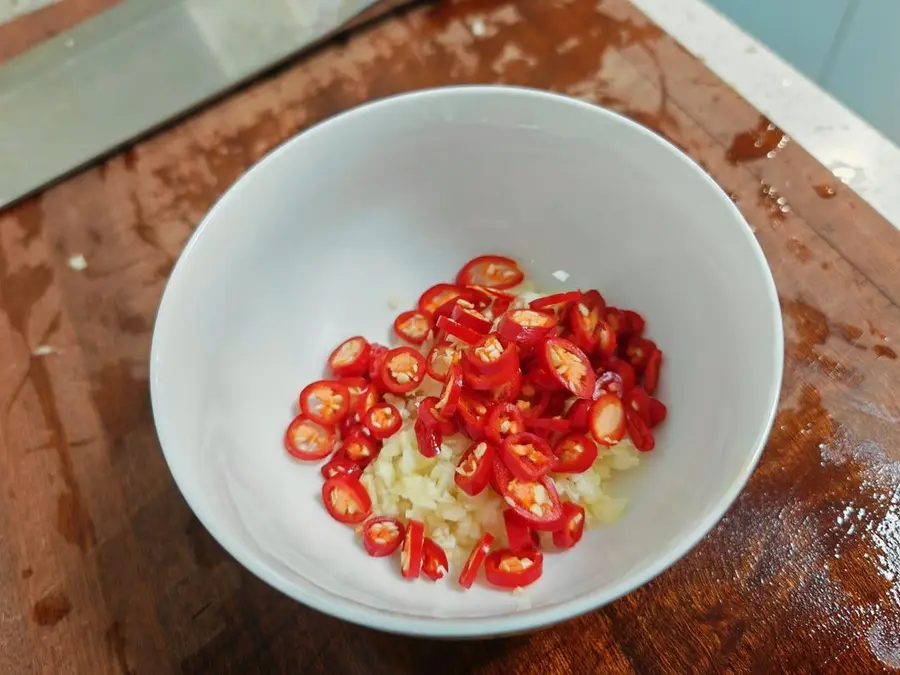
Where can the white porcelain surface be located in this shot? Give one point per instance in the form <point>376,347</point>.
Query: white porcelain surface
<point>313,243</point>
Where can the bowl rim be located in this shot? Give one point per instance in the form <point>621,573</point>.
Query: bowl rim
<point>533,619</point>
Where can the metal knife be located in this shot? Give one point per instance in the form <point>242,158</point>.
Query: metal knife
<point>138,65</point>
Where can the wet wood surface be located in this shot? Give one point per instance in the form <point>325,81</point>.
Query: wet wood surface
<point>103,569</point>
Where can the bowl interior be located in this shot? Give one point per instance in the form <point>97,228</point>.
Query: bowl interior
<point>316,243</point>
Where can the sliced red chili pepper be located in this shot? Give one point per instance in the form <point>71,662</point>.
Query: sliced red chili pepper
<point>453,387</point>
<point>579,415</point>
<point>558,305</point>
<point>413,326</point>
<point>638,351</point>
<point>433,419</point>
<point>481,297</point>
<point>618,322</point>
<point>574,454</point>
<point>457,330</point>
<point>605,339</point>
<point>583,318</point>
<point>638,400</point>
<point>525,327</point>
<point>623,369</point>
<point>607,423</point>
<point>475,560</point>
<point>368,397</point>
<point>472,412</point>
<point>351,357</point>
<point>466,297</point>
<point>346,499</point>
<point>428,439</point>
<point>356,386</point>
<point>573,526</point>
<point>556,302</point>
<point>527,455</point>
<point>594,300</point>
<point>308,440</point>
<point>495,486</point>
<point>402,369</point>
<point>464,313</point>
<point>557,405</point>
<point>376,362</point>
<point>562,331</point>
<point>635,322</point>
<point>436,296</point>
<point>325,402</point>
<point>486,381</point>
<point>569,365</point>
<point>504,419</point>
<point>441,358</point>
<point>493,271</point>
<point>639,431</point>
<point>526,357</point>
<point>658,413</point>
<point>413,550</point>
<point>532,401</point>
<point>549,425</point>
<point>506,569</point>
<point>445,310</point>
<point>519,536</point>
<point>382,536</point>
<point>489,356</point>
<point>341,465</point>
<point>508,390</point>
<point>382,420</point>
<point>539,376</point>
<point>500,306</point>
<point>651,372</point>
<point>352,425</point>
<point>475,467</point>
<point>493,298</point>
<point>359,448</point>
<point>434,561</point>
<point>609,383</point>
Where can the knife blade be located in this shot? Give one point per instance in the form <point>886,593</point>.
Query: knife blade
<point>137,66</point>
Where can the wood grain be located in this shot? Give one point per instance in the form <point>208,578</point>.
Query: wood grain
<point>29,30</point>
<point>104,569</point>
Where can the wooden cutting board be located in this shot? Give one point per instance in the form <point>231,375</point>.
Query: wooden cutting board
<point>29,30</point>
<point>103,569</point>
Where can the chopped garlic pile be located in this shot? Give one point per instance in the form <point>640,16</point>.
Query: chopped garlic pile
<point>403,484</point>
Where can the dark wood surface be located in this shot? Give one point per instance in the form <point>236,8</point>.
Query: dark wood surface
<point>29,30</point>
<point>103,569</point>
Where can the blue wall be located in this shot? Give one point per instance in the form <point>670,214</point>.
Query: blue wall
<point>850,47</point>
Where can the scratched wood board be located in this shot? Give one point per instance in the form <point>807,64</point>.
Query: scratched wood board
<point>29,30</point>
<point>12,9</point>
<point>104,569</point>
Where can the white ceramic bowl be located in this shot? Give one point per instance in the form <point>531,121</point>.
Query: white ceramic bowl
<point>382,201</point>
